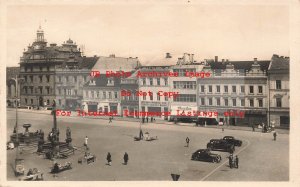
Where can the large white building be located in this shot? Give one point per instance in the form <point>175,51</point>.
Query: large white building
<point>152,89</point>
<point>237,90</point>
<point>186,85</point>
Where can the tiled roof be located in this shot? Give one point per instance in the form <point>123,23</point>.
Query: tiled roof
<point>245,65</point>
<point>277,63</point>
<point>116,64</point>
<point>102,81</point>
<point>87,62</point>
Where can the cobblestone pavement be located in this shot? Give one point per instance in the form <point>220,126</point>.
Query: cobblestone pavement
<point>261,158</point>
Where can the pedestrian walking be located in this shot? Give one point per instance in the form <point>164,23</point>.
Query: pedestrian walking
<point>141,134</point>
<point>187,141</point>
<point>274,135</point>
<point>126,158</point>
<point>236,161</point>
<point>230,161</point>
<point>262,127</point>
<point>147,119</point>
<point>151,119</point>
<point>143,119</point>
<point>108,158</point>
<point>253,128</point>
<point>110,119</point>
<point>86,142</point>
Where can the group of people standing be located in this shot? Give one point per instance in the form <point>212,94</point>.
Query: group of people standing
<point>152,119</point>
<point>233,161</point>
<point>265,128</point>
<point>108,157</point>
<point>109,160</point>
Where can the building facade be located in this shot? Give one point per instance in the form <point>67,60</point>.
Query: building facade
<point>279,96</point>
<point>38,66</point>
<point>237,91</point>
<point>69,80</point>
<point>152,89</point>
<point>102,93</point>
<point>54,72</point>
<point>185,83</point>
<point>129,98</point>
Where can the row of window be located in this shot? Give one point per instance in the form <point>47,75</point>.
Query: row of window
<point>217,102</point>
<point>184,85</point>
<point>41,68</point>
<point>31,102</point>
<point>39,78</point>
<point>155,81</point>
<point>67,92</point>
<point>182,72</point>
<point>233,102</point>
<point>217,89</point>
<point>39,90</point>
<point>70,78</point>
<point>185,98</point>
<point>132,97</point>
<point>158,97</point>
<point>101,95</point>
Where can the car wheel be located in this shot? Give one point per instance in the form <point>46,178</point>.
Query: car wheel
<point>213,160</point>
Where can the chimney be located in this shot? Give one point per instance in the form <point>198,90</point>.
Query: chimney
<point>192,58</point>
<point>168,55</point>
<point>184,57</point>
<point>255,60</point>
<point>216,58</point>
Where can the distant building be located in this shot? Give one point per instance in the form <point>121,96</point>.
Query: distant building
<point>279,96</point>
<point>129,99</point>
<point>12,73</point>
<point>237,90</point>
<point>70,80</point>
<point>53,72</point>
<point>102,93</point>
<point>186,86</point>
<point>114,64</point>
<point>37,67</point>
<point>151,89</point>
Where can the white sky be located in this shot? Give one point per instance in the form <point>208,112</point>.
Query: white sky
<point>148,31</point>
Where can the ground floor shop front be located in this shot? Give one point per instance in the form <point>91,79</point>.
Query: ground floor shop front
<point>156,110</point>
<point>101,107</point>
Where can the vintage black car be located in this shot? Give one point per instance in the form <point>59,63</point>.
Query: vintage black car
<point>220,145</point>
<point>206,155</point>
<point>231,139</point>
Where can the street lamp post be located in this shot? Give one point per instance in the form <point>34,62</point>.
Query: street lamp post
<point>16,105</point>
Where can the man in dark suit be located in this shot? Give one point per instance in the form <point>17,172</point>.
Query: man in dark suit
<point>187,141</point>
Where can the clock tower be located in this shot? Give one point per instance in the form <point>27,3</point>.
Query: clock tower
<point>40,41</point>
